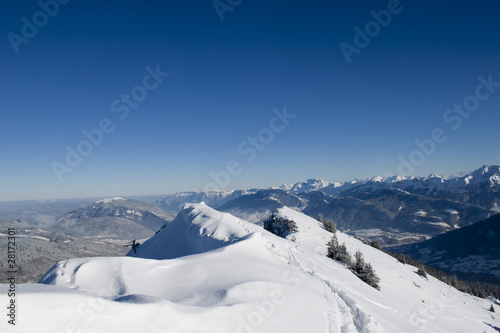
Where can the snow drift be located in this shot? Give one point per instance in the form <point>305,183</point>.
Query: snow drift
<point>196,229</point>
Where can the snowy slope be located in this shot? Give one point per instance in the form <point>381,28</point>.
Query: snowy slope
<point>406,302</point>
<point>233,276</point>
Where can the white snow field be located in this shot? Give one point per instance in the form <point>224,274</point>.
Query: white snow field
<point>208,271</point>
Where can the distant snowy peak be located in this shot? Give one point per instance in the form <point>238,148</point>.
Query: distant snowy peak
<point>313,184</point>
<point>109,200</point>
<point>336,187</point>
<point>175,202</point>
<point>388,180</point>
<point>488,173</point>
<point>487,170</point>
<point>434,176</point>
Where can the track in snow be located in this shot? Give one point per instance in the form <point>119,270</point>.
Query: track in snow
<point>342,313</point>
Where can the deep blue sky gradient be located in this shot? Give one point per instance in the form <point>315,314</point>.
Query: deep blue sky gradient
<point>353,119</point>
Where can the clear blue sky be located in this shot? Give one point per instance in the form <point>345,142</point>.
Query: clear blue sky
<point>225,77</point>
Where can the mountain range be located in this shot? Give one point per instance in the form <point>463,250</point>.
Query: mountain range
<point>394,210</point>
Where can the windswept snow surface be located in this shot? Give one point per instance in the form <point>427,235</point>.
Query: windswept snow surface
<point>212,272</point>
<point>196,229</point>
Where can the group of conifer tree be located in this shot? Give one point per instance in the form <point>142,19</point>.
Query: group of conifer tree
<point>339,252</point>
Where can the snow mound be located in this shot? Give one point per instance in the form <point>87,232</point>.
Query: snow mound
<point>234,284</point>
<point>196,229</point>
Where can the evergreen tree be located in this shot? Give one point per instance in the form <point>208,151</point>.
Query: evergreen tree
<point>454,281</point>
<point>368,275</point>
<point>365,271</point>
<point>359,262</point>
<point>492,309</point>
<point>327,224</point>
<point>280,226</point>
<point>332,247</point>
<point>338,252</point>
<point>376,245</point>
<point>421,271</point>
<point>344,256</point>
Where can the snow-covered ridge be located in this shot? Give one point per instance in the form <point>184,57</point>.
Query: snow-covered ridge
<point>489,174</point>
<point>249,281</point>
<point>196,229</point>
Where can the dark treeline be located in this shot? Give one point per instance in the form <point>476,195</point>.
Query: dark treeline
<point>474,288</point>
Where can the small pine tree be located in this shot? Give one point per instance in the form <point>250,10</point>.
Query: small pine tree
<point>344,256</point>
<point>376,245</point>
<point>280,226</point>
<point>421,271</point>
<point>370,277</point>
<point>454,281</point>
<point>492,309</point>
<point>330,226</point>
<point>327,224</point>
<point>338,252</point>
<point>359,262</point>
<point>332,247</point>
<point>365,271</point>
